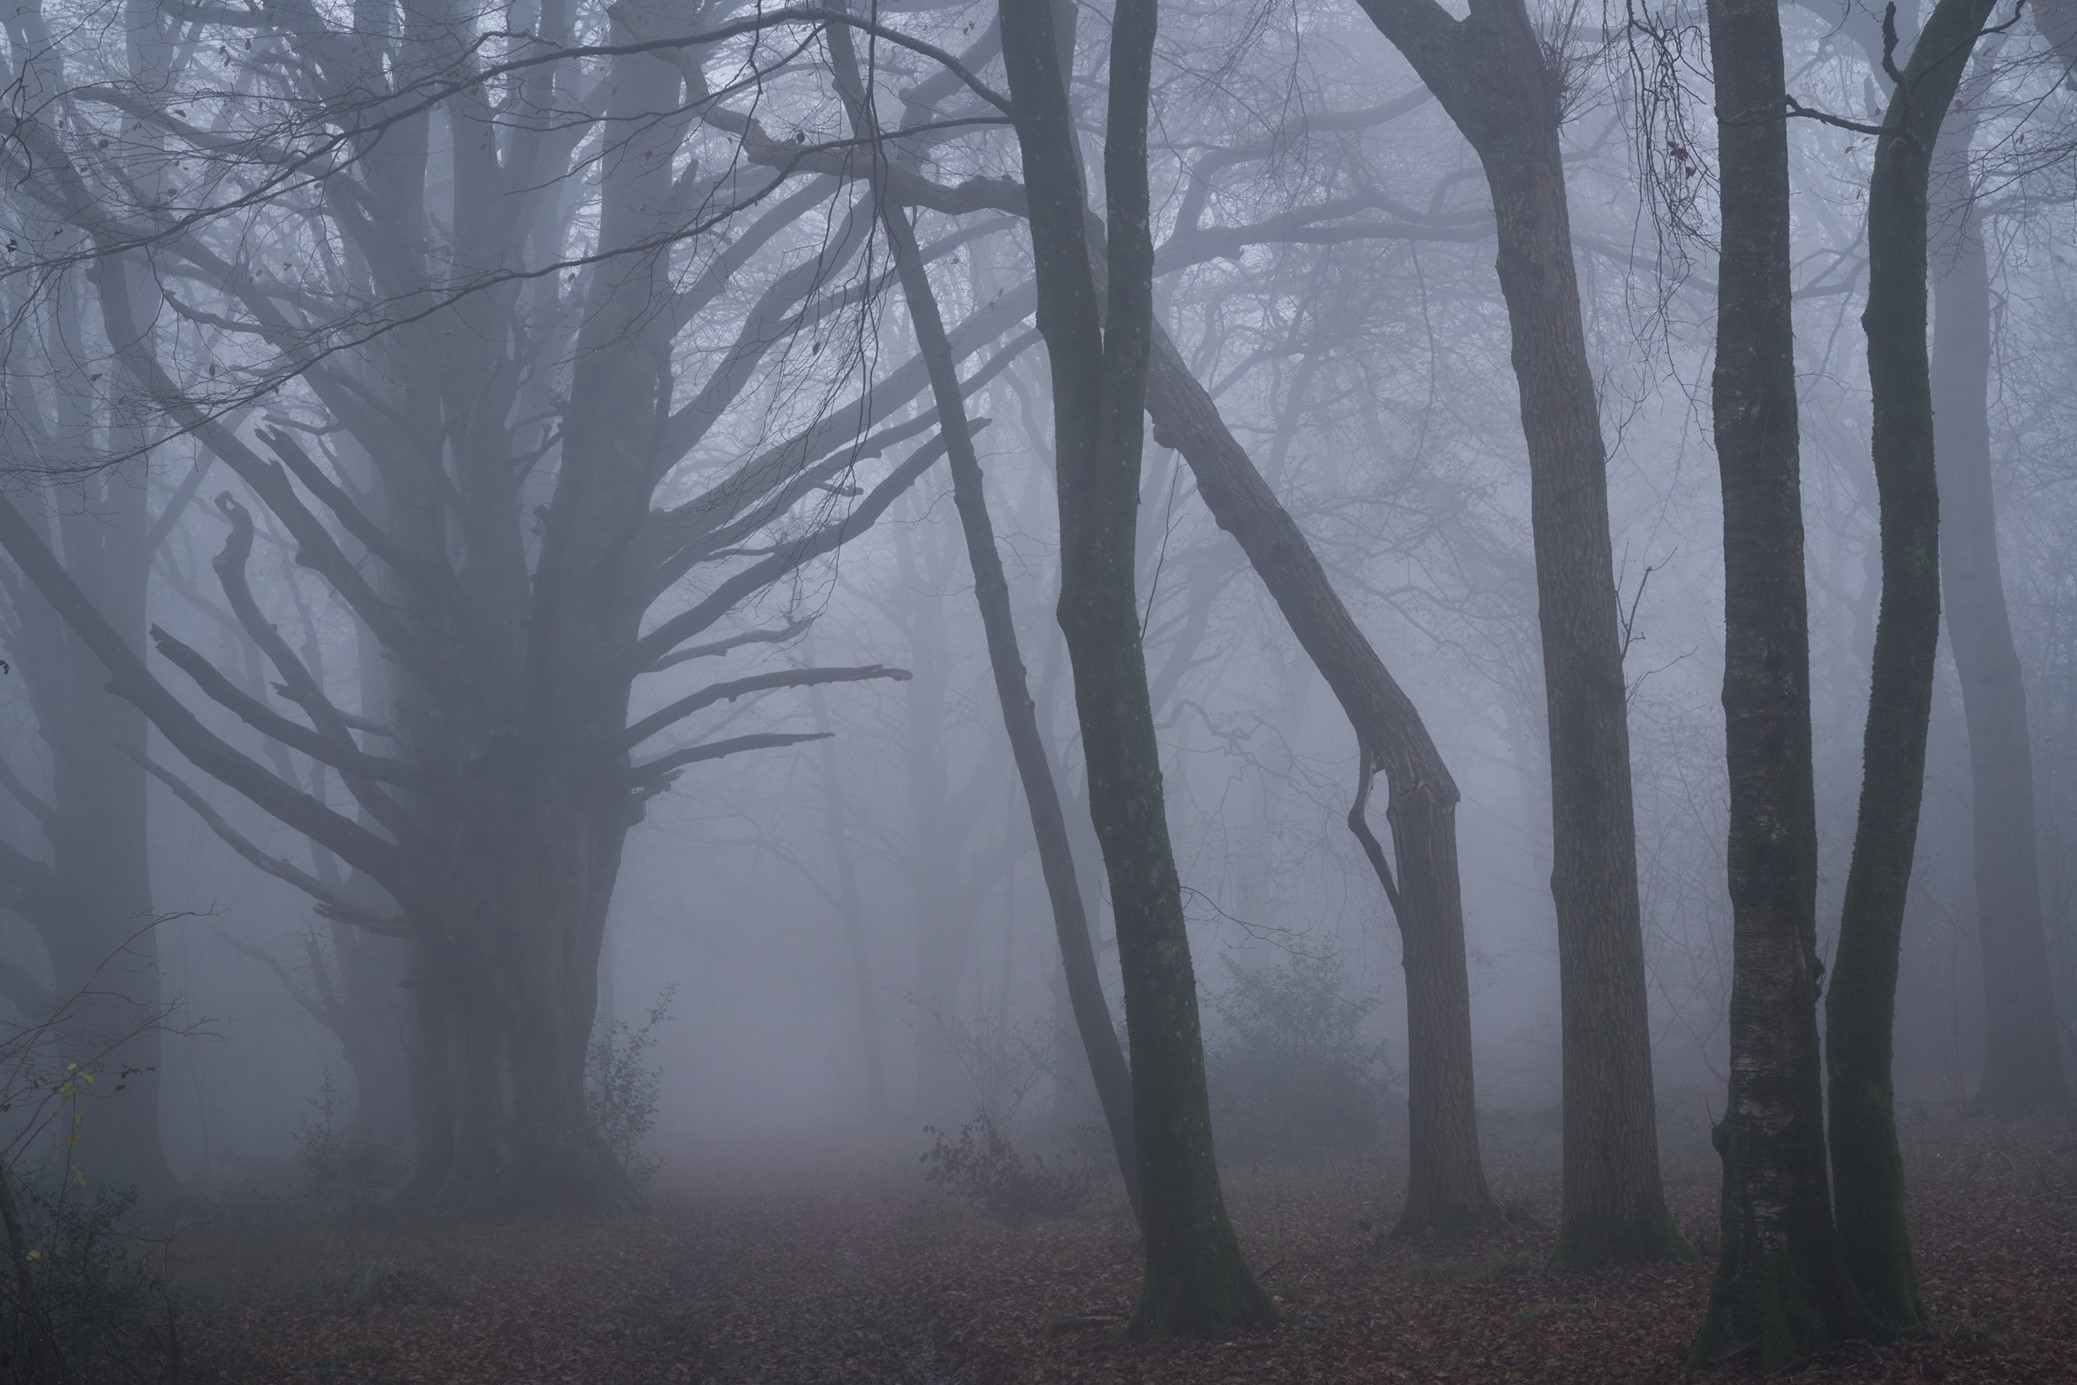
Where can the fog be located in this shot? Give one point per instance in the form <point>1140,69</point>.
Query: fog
<point>486,599</point>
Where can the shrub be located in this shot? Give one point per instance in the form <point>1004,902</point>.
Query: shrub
<point>983,1165</point>
<point>95,1308</point>
<point>343,1176</point>
<point>623,1086</point>
<point>1291,1074</point>
<point>79,1300</point>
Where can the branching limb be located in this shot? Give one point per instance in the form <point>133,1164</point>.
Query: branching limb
<point>756,683</point>
<point>781,635</point>
<point>329,903</point>
<point>1359,823</point>
<point>297,683</point>
<point>134,683</point>
<point>654,776</point>
<point>734,590</point>
<point>345,756</point>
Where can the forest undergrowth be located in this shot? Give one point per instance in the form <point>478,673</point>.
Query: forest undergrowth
<point>809,1264</point>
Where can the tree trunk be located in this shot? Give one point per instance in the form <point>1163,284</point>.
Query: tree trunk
<point>1860,1011</point>
<point>1781,1288</point>
<point>510,984</point>
<point>2022,1052</point>
<point>1489,73</point>
<point>1196,1280</point>
<point>1106,1058</point>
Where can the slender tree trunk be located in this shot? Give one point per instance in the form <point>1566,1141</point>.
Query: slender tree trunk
<point>1860,1010</point>
<point>1196,1280</point>
<point>1489,73</point>
<point>1781,1288</point>
<point>1107,1066</point>
<point>2022,1052</point>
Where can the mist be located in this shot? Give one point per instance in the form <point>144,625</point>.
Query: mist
<point>1249,665</point>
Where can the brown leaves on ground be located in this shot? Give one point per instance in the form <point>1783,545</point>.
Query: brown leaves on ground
<point>807,1270</point>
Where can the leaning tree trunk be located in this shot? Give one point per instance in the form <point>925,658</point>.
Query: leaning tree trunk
<point>1860,1010</point>
<point>1781,1288</point>
<point>1106,1057</point>
<point>1490,74</point>
<point>1195,1279</point>
<point>2022,1052</point>
<point>1446,1187</point>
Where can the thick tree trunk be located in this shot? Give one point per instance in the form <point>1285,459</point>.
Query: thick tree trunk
<point>509,985</point>
<point>1860,1010</point>
<point>1780,1287</point>
<point>1196,1280</point>
<point>2022,1052</point>
<point>1489,73</point>
<point>1106,1058</point>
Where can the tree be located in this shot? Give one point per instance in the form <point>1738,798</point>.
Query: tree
<point>1099,1037</point>
<point>475,492</point>
<point>1196,1280</point>
<point>1860,1009</point>
<point>2022,1053</point>
<point>1491,73</point>
<point>1781,1287</point>
<point>86,891</point>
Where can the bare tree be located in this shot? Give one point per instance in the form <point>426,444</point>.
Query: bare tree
<point>1195,1278</point>
<point>1491,71</point>
<point>1781,1288</point>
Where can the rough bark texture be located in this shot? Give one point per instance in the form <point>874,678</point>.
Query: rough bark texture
<point>1780,1287</point>
<point>1196,1280</point>
<point>1489,73</point>
<point>2022,1052</point>
<point>1860,1008</point>
<point>1092,1015</point>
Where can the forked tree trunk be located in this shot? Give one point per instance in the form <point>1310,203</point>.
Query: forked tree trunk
<point>2022,1051</point>
<point>1489,72</point>
<point>1446,1189</point>
<point>1196,1280</point>
<point>1860,1009</point>
<point>1780,1287</point>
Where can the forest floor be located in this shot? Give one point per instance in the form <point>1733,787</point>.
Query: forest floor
<point>795,1266</point>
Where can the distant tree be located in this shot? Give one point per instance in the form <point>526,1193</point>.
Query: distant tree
<point>2023,1068</point>
<point>491,450</point>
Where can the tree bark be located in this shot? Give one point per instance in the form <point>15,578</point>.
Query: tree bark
<point>1781,1288</point>
<point>1860,1010</point>
<point>1196,1280</point>
<point>1489,72</point>
<point>1106,1057</point>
